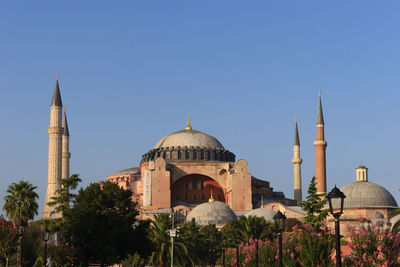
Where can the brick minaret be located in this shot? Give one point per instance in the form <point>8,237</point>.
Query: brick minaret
<point>297,160</point>
<point>55,149</point>
<point>320,147</point>
<point>66,155</point>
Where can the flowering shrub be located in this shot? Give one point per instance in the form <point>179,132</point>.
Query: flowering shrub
<point>374,246</point>
<point>8,240</point>
<point>303,247</point>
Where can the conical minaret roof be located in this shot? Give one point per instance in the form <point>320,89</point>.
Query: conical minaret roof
<point>56,100</point>
<point>296,135</point>
<point>65,124</point>
<point>320,115</point>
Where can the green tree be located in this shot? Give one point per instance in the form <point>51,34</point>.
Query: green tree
<point>102,224</point>
<point>210,246</point>
<point>314,206</point>
<point>21,202</point>
<point>8,240</point>
<point>184,244</point>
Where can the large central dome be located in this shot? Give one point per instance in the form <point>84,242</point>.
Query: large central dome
<point>188,138</point>
<point>189,145</point>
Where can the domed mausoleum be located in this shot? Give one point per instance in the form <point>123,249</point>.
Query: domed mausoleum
<point>262,212</point>
<point>212,212</point>
<point>365,201</point>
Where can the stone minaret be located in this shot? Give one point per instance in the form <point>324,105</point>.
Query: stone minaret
<point>320,147</point>
<point>55,149</point>
<point>65,148</point>
<point>297,160</point>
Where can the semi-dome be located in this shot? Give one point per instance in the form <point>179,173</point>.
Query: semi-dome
<point>188,138</point>
<point>212,212</point>
<point>364,194</point>
<point>262,212</point>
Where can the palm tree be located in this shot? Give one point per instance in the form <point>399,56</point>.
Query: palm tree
<point>184,244</point>
<point>160,238</point>
<point>21,206</point>
<point>21,202</point>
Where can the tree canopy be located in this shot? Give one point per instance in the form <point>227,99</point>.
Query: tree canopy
<point>21,202</point>
<point>102,224</point>
<point>314,206</point>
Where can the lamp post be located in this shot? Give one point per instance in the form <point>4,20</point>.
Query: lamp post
<point>172,234</point>
<point>237,240</point>
<point>21,225</point>
<point>333,198</point>
<point>279,220</point>
<point>46,234</point>
<point>223,244</point>
<point>256,230</point>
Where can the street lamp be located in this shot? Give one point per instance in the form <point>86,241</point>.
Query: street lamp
<point>21,225</point>
<point>46,235</point>
<point>257,228</point>
<point>279,220</point>
<point>172,234</point>
<point>334,204</point>
<point>237,240</point>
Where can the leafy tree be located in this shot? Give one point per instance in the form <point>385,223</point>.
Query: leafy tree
<point>8,240</point>
<point>232,234</point>
<point>211,245</point>
<point>62,202</point>
<point>102,224</point>
<point>32,244</point>
<point>21,202</point>
<point>314,206</point>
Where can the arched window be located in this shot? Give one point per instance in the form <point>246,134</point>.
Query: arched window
<point>203,197</point>
<point>194,183</point>
<point>177,197</point>
<point>186,197</point>
<point>219,197</point>
<point>194,197</point>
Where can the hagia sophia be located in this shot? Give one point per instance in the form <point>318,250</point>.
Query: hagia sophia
<point>193,174</point>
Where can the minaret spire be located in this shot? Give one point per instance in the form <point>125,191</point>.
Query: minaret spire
<point>297,160</point>
<point>320,150</point>
<point>65,148</point>
<point>55,150</point>
<point>56,100</point>
<point>320,114</point>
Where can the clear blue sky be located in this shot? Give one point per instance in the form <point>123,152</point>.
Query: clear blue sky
<point>131,71</point>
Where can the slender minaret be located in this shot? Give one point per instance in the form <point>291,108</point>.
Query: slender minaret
<point>297,160</point>
<point>320,147</point>
<point>55,149</point>
<point>66,155</point>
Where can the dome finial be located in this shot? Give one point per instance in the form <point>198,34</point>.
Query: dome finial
<point>188,127</point>
<point>56,76</point>
<point>262,201</point>
<point>211,196</point>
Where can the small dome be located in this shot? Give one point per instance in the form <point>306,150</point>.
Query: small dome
<point>188,138</point>
<point>215,212</point>
<point>262,212</point>
<point>129,171</point>
<point>363,194</point>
